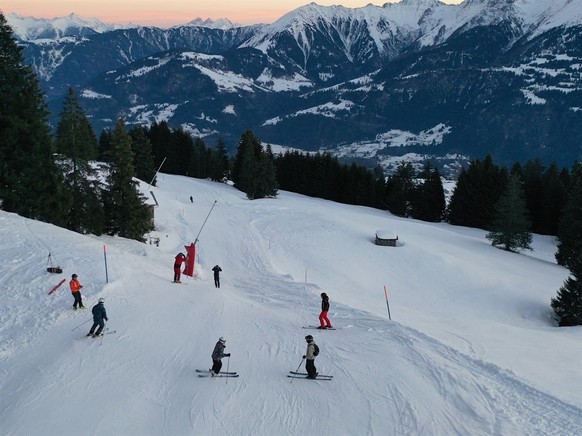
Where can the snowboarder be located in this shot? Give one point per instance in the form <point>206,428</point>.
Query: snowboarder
<point>218,354</point>
<point>324,321</point>
<point>180,258</point>
<point>99,315</point>
<point>217,271</point>
<point>310,357</point>
<point>76,291</point>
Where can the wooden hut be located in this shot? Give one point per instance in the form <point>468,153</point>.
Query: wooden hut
<point>386,237</point>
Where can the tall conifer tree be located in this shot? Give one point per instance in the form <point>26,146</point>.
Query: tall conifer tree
<point>511,225</point>
<point>127,214</point>
<point>570,228</point>
<point>30,183</point>
<point>478,189</point>
<point>568,303</point>
<point>143,157</point>
<point>76,142</point>
<point>253,170</point>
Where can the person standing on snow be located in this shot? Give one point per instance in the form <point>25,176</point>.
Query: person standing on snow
<point>324,321</point>
<point>99,318</point>
<point>310,357</point>
<point>180,258</point>
<point>218,354</point>
<point>76,291</point>
<point>217,271</point>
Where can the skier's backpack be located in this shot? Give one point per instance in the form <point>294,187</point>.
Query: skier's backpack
<point>315,349</point>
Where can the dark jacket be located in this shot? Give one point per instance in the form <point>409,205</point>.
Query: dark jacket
<point>216,270</point>
<point>324,303</point>
<point>99,313</point>
<point>218,352</point>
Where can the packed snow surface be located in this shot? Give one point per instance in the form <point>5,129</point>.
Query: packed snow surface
<point>471,348</point>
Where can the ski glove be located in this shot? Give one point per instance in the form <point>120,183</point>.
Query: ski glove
<point>304,357</point>
<point>227,355</point>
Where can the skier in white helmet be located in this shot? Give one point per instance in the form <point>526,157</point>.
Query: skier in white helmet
<point>218,354</point>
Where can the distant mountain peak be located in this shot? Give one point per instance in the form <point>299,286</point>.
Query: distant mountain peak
<point>221,23</point>
<point>31,28</point>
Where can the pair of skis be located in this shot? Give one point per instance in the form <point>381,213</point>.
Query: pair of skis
<point>210,373</point>
<point>318,327</point>
<point>106,332</point>
<point>304,375</point>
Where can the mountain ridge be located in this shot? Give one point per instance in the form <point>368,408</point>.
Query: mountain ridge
<point>344,76</point>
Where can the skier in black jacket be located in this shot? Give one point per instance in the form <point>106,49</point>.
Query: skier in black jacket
<point>218,354</point>
<point>217,271</point>
<point>324,321</point>
<point>99,315</point>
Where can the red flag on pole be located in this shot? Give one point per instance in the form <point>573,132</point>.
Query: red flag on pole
<point>190,257</point>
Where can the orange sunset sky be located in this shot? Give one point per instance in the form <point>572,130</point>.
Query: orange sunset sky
<point>164,13</point>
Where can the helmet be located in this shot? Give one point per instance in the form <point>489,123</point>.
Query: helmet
<point>309,338</point>
<point>323,294</point>
<point>101,300</point>
<point>74,276</point>
<point>221,339</point>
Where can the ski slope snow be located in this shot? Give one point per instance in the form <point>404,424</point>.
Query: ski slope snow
<point>471,347</point>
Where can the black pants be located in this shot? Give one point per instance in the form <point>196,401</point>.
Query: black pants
<point>216,281</point>
<point>216,366</point>
<point>177,273</point>
<point>96,323</point>
<point>310,367</point>
<point>78,300</point>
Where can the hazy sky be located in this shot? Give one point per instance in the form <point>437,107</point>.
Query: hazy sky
<point>169,12</point>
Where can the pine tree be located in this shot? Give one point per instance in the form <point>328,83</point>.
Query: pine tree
<point>399,190</point>
<point>127,214</point>
<point>253,170</point>
<point>104,147</point>
<point>30,182</point>
<point>220,162</point>
<point>477,191</point>
<point>570,228</point>
<point>511,224</point>
<point>428,202</point>
<point>74,136</point>
<point>143,158</point>
<point>553,198</point>
<point>567,305</point>
<point>77,144</point>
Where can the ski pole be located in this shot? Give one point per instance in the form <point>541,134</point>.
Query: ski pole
<point>82,324</point>
<point>297,370</point>
<point>227,367</point>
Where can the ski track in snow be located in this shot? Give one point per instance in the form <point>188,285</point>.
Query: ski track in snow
<point>388,378</point>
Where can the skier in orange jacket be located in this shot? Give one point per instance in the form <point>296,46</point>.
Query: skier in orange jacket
<point>76,291</point>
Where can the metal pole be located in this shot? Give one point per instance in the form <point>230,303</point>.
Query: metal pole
<point>387,305</point>
<point>297,370</point>
<point>204,223</point>
<point>105,256</point>
<point>159,168</point>
<point>82,324</point>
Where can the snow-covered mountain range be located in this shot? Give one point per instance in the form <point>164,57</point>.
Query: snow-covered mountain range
<point>31,29</point>
<point>498,76</point>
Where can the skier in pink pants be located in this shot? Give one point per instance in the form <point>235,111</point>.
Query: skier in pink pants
<point>324,321</point>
